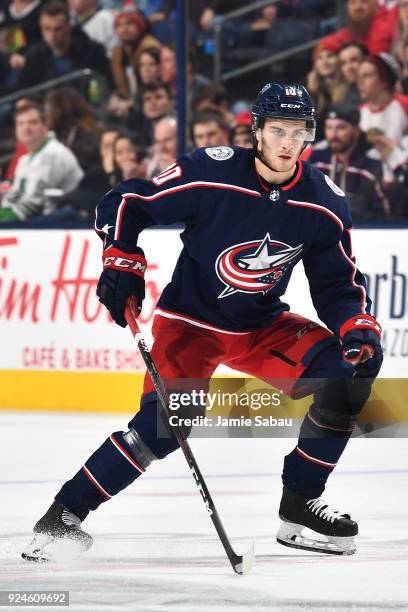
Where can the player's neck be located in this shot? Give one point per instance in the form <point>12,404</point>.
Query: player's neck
<point>275,178</point>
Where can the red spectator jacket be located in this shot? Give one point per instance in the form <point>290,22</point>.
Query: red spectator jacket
<point>377,40</point>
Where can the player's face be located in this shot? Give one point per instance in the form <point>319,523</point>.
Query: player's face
<point>350,60</point>
<point>31,130</point>
<point>209,135</point>
<point>277,145</point>
<point>340,135</point>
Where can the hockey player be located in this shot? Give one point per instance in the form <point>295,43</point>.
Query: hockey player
<point>250,216</point>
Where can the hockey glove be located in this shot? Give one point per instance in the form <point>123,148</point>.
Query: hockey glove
<point>361,340</point>
<point>123,276</point>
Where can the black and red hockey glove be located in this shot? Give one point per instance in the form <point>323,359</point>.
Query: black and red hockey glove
<point>123,276</point>
<point>361,340</point>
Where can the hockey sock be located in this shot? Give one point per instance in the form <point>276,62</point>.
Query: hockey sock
<point>324,434</point>
<point>122,458</point>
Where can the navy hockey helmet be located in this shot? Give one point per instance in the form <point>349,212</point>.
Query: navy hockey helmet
<point>283,101</point>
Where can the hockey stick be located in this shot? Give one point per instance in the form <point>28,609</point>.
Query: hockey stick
<point>241,563</point>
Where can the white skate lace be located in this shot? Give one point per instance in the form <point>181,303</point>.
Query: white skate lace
<point>70,519</point>
<point>319,507</point>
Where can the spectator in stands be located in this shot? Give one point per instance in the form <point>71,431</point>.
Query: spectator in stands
<point>350,57</point>
<point>129,161</point>
<point>19,29</point>
<point>276,33</point>
<point>164,147</point>
<point>368,23</point>
<point>212,97</point>
<point>132,29</point>
<point>157,102</point>
<point>99,178</point>
<point>241,136</point>
<point>381,112</point>
<point>404,65</point>
<point>398,191</point>
<point>48,165</point>
<point>324,82</point>
<point>19,26</point>
<point>63,49</point>
<point>97,23</point>
<point>148,66</point>
<point>401,37</point>
<point>208,129</point>
<point>168,71</point>
<point>205,12</point>
<point>69,115</point>
<point>108,137</point>
<point>347,157</point>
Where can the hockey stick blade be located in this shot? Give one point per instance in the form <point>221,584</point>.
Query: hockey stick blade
<point>241,563</point>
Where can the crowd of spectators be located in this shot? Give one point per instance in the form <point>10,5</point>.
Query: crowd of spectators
<point>71,143</point>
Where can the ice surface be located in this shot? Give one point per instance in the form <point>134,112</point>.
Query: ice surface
<point>155,546</point>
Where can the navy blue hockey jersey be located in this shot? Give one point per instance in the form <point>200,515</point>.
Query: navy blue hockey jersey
<point>242,239</point>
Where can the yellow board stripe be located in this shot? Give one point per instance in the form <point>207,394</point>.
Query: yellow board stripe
<point>120,392</point>
<point>70,391</point>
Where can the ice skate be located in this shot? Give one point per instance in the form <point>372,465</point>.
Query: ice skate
<point>298,513</point>
<point>57,536</point>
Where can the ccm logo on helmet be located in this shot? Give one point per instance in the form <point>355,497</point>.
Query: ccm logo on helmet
<point>291,105</point>
<point>121,262</point>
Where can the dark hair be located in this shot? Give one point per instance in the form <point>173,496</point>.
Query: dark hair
<point>155,86</point>
<point>54,8</point>
<point>217,94</point>
<point>30,106</point>
<point>68,109</point>
<point>191,55</point>
<point>154,52</point>
<point>207,117</point>
<point>140,153</point>
<point>387,68</point>
<point>238,130</point>
<point>364,50</point>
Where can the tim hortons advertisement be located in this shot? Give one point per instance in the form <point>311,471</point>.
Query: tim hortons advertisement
<point>51,319</point>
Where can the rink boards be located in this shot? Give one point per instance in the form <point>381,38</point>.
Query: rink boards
<point>60,351</point>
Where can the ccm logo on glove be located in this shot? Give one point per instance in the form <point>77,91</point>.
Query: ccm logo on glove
<point>366,323</point>
<point>122,277</point>
<point>114,258</point>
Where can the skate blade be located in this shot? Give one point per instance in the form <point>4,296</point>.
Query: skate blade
<point>290,534</point>
<point>45,548</point>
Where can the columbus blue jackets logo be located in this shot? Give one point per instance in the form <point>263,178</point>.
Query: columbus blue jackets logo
<point>255,266</point>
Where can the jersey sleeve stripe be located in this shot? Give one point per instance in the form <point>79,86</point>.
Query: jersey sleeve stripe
<point>322,209</point>
<point>363,302</point>
<point>165,192</point>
